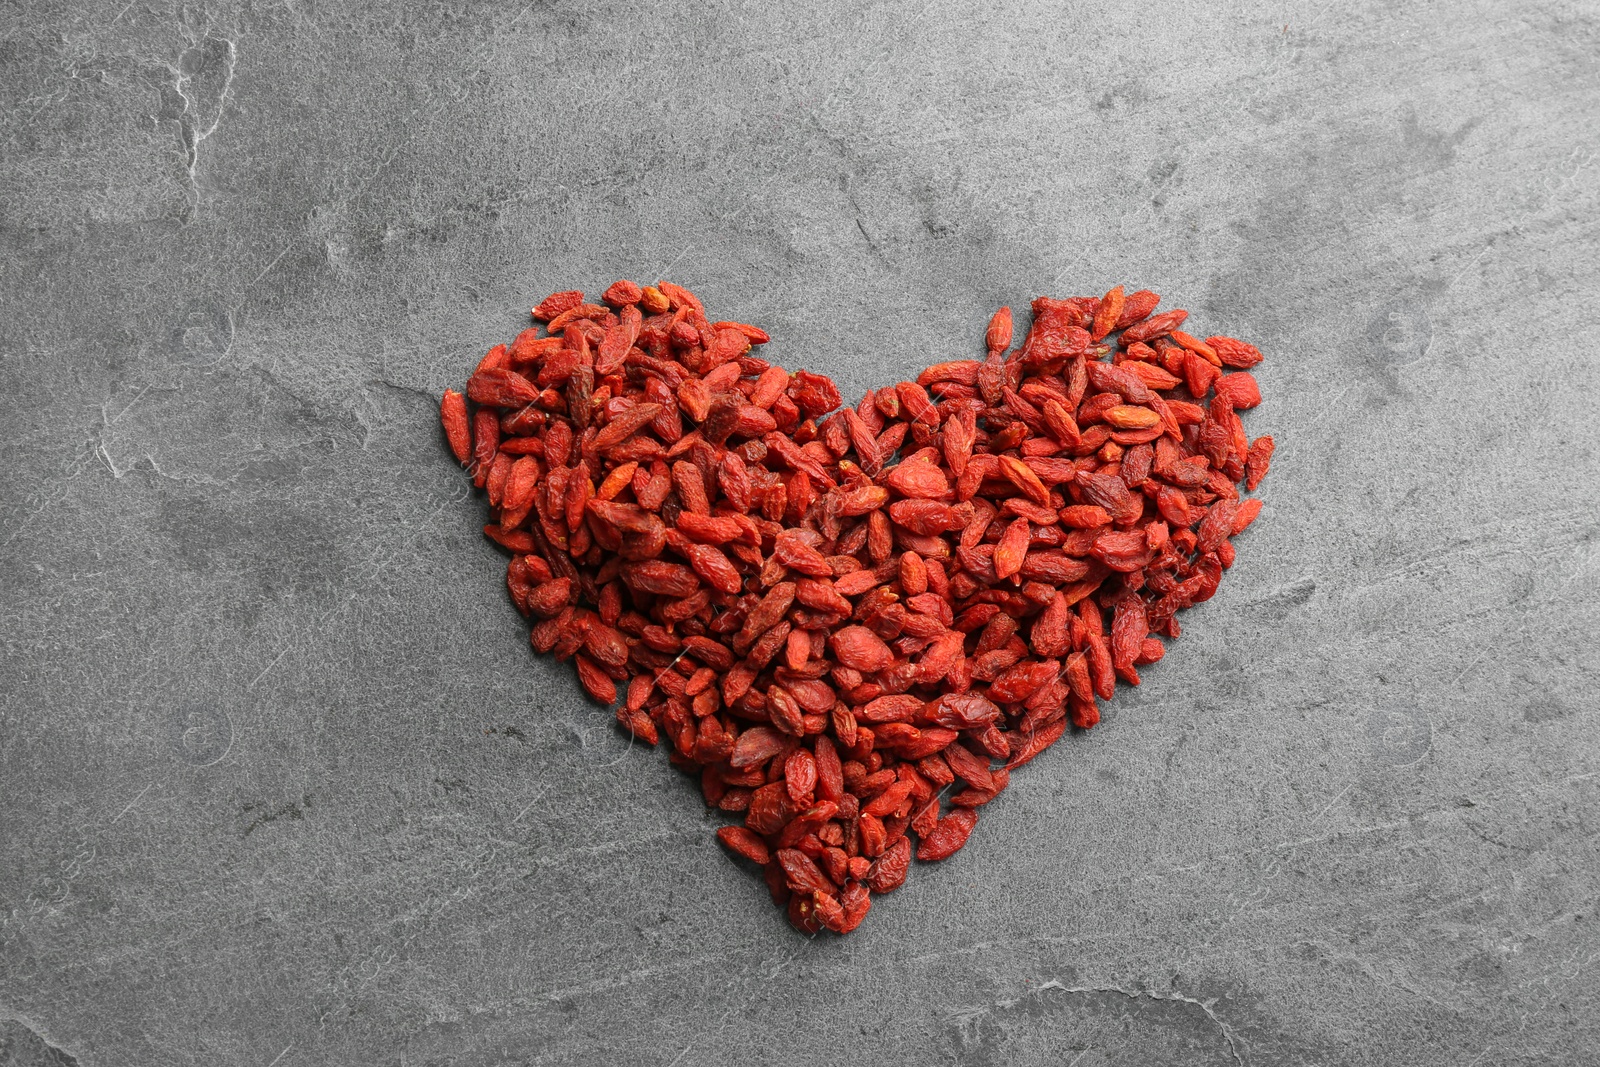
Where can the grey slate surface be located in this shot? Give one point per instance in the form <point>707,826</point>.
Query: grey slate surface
<point>281,783</point>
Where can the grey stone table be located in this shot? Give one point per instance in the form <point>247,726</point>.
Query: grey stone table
<point>280,781</point>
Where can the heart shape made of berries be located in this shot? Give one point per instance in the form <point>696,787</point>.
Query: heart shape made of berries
<point>853,624</point>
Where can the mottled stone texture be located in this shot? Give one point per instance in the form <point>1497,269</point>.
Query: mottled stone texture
<point>282,784</point>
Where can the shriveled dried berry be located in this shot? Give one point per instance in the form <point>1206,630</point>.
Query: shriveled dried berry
<point>746,844</point>
<point>949,835</point>
<point>457,429</point>
<point>1257,461</point>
